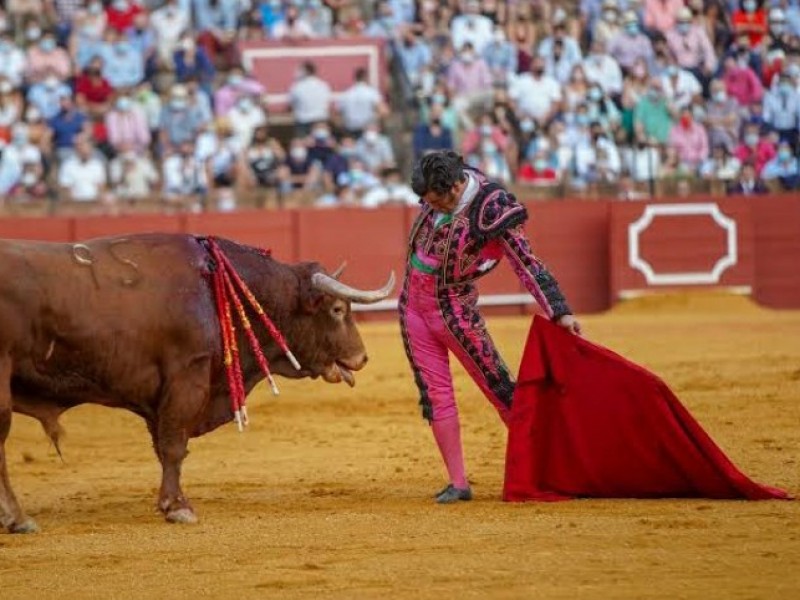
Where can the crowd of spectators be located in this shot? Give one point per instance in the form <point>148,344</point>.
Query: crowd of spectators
<point>119,102</point>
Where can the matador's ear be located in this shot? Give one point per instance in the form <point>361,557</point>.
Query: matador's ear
<point>418,183</point>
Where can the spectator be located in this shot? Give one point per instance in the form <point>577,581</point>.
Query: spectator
<point>721,165</point>
<point>415,55</point>
<point>680,86</point>
<point>22,167</point>
<point>608,25</point>
<point>184,178</point>
<point>179,122</point>
<point>236,85</point>
<point>748,184</point>
<point>220,150</point>
<point>310,98</point>
<point>537,95</point>
<point>433,135</point>
<point>13,63</point>
<point>300,169</point>
<point>191,62</point>
<point>198,101</point>
<point>126,126</point>
<point>690,141</point>
<point>597,159</point>
<point>265,157</point>
<point>783,168</point>
<point>723,117</point>
<point>292,27</point>
<point>538,171</point>
<point>602,69</point>
<point>471,28</point>
<point>500,56</point>
<point>741,82</point>
<point>121,14</point>
<point>652,117</point>
<point>343,194</point>
<point>45,59</point>
<point>67,126</point>
<point>691,47</point>
<point>750,20</point>
<point>46,95</point>
<point>123,65</point>
<point>755,149</point>
<point>631,44</point>
<point>384,24</point>
<point>782,110</point>
<point>376,149</point>
<point>86,36</point>
<point>319,18</point>
<point>133,176</point>
<point>642,160</point>
<point>560,52</point>
<point>660,15</point>
<point>602,109</point>
<point>93,92</point>
<point>169,23</point>
<point>245,117</point>
<point>392,190</point>
<point>82,176</point>
<point>142,39</point>
<point>360,105</point>
<point>469,82</point>
<point>10,109</point>
<point>150,104</point>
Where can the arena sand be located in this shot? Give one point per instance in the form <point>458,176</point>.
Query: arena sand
<point>329,492</point>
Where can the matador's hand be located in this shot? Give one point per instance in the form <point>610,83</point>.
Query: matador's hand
<point>570,323</point>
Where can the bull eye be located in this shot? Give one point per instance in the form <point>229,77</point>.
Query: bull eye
<point>338,311</point>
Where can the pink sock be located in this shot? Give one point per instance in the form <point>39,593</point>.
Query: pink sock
<point>448,437</point>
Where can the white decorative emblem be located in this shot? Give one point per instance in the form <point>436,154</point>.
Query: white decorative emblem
<point>692,278</point>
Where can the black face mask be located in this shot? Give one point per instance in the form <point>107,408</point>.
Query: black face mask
<point>538,72</point>
<point>436,121</point>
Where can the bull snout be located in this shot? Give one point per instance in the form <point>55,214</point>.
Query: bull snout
<point>355,363</point>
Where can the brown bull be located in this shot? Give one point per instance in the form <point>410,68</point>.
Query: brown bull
<point>131,323</point>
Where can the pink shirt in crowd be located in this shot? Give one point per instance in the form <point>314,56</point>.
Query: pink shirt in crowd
<point>743,85</point>
<point>660,14</point>
<point>693,49</point>
<point>691,143</point>
<point>465,79</point>
<point>759,156</point>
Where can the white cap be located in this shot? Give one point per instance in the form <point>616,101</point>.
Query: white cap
<point>684,14</point>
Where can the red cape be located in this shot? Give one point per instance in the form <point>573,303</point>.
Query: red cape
<point>586,422</point>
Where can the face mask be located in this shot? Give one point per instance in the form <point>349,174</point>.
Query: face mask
<point>595,94</point>
<point>235,80</point>
<point>486,130</point>
<point>298,154</point>
<point>33,33</point>
<point>686,121</point>
<point>538,72</point>
<point>5,88</point>
<point>467,57</point>
<point>371,136</point>
<point>654,94</point>
<point>124,104</point>
<point>777,29</point>
<point>610,16</point>
<point>540,164</point>
<point>751,139</point>
<point>526,125</point>
<point>488,147</point>
<point>684,28</point>
<point>436,121</point>
<point>784,154</point>
<point>785,87</point>
<point>499,37</point>
<point>51,82</point>
<point>47,44</point>
<point>95,9</point>
<point>439,99</point>
<point>20,137</point>
<point>720,96</point>
<point>28,178</point>
<point>672,70</point>
<point>632,28</point>
<point>639,71</point>
<point>321,135</point>
<point>582,119</point>
<point>749,6</point>
<point>178,104</point>
<point>120,5</point>
<point>246,104</point>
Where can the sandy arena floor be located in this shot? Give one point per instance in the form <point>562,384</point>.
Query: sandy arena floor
<point>329,493</point>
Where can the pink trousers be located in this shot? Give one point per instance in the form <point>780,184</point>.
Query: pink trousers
<point>436,322</point>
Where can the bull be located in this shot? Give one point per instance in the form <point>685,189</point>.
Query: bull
<point>131,322</point>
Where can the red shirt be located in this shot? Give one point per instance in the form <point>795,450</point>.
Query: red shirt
<point>95,92</point>
<point>122,20</point>
<point>528,174</point>
<point>753,24</point>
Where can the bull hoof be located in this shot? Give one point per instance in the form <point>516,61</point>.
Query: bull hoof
<point>182,515</point>
<point>27,526</point>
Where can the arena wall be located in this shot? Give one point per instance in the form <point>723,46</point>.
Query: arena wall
<point>601,251</point>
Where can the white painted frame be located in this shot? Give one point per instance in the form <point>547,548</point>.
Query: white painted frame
<point>652,211</point>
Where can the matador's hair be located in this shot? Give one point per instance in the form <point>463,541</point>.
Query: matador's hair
<point>437,172</point>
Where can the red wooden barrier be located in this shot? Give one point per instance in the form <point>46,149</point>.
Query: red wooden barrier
<point>586,244</point>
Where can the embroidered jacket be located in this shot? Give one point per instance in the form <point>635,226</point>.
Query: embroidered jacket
<point>472,242</point>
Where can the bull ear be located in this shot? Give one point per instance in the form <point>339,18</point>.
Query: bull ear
<point>310,299</point>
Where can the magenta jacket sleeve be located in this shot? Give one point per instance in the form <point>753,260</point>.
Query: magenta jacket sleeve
<point>533,274</point>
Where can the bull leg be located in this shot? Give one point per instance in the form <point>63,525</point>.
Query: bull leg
<point>185,398</point>
<point>11,515</point>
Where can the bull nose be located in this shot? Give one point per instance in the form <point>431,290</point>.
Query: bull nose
<point>356,363</point>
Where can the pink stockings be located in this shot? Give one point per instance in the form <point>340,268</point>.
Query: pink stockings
<point>433,325</point>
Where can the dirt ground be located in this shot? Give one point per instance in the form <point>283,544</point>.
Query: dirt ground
<point>329,492</point>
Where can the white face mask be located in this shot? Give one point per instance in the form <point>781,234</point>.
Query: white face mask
<point>371,136</point>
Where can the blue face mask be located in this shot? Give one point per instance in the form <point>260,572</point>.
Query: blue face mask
<point>632,28</point>
<point>48,45</point>
<point>683,28</point>
<point>784,154</point>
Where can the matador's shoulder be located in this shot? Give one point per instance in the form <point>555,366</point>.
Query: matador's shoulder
<point>495,211</point>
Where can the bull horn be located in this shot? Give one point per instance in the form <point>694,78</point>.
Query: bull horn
<point>326,283</point>
<point>338,272</point>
